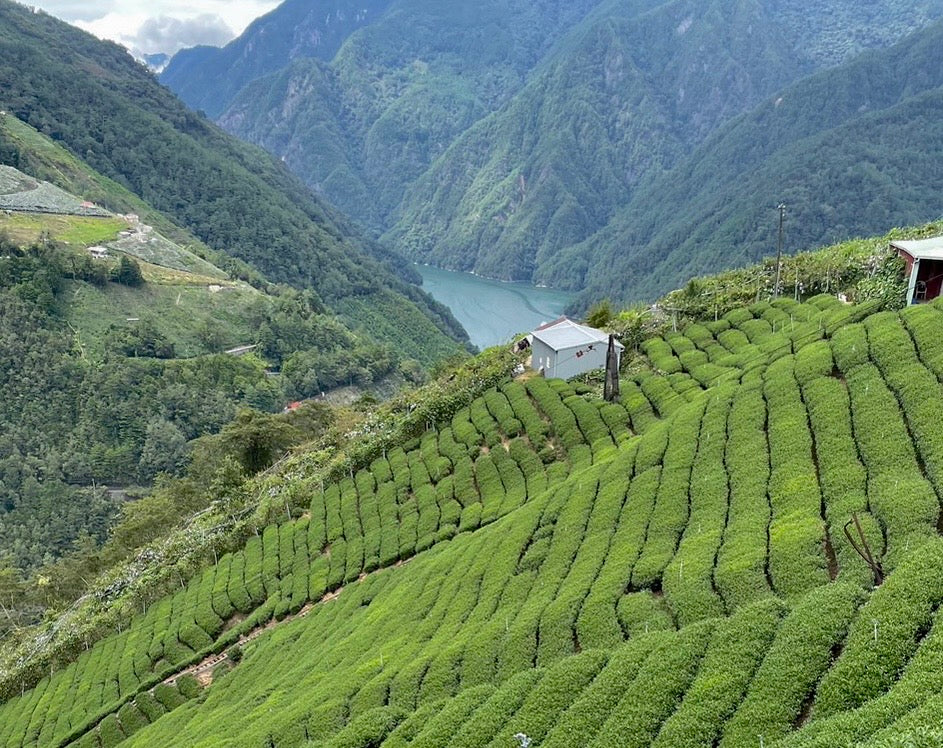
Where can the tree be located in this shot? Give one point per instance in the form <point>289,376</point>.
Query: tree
<point>165,449</point>
<point>600,314</point>
<point>256,440</point>
<point>127,272</point>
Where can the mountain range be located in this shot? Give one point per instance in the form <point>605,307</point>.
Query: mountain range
<point>548,141</point>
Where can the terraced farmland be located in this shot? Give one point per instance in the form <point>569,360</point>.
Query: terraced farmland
<point>672,571</point>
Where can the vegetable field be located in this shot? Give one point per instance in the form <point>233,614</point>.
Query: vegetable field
<point>673,570</point>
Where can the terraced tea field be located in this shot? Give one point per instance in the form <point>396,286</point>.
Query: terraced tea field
<point>671,571</point>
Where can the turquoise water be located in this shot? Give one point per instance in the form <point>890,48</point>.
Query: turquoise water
<point>490,310</point>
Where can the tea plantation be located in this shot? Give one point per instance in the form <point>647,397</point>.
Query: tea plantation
<point>672,571</point>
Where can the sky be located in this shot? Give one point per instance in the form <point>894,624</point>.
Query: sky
<point>150,26</point>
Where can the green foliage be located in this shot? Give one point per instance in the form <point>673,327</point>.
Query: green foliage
<point>622,592</point>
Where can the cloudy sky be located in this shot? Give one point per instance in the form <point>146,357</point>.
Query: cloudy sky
<point>147,26</point>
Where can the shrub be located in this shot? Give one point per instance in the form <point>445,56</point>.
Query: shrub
<point>369,729</point>
<point>898,612</point>
<point>655,691</point>
<point>740,573</point>
<point>793,664</point>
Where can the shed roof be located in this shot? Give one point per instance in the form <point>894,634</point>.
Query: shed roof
<point>564,333</point>
<point>922,249</point>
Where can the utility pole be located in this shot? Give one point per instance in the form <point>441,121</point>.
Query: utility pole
<point>779,250</point>
<point>611,386</point>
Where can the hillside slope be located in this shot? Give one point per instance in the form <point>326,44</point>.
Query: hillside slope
<point>399,91</point>
<point>862,164</point>
<point>92,97</point>
<point>115,362</point>
<point>567,154</point>
<point>670,571</point>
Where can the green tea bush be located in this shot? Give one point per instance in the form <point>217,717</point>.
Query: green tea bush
<point>886,633</point>
<point>589,421</point>
<point>502,412</point>
<point>490,487</point>
<point>525,412</point>
<point>688,578</point>
<point>270,563</point>
<point>916,388</point>
<point>551,697</point>
<point>369,729</point>
<point>653,695</point>
<point>409,728</point>
<point>923,323</point>
<point>169,697</point>
<point>664,399</point>
<point>793,664</point>
<point>796,561</point>
<point>484,422</point>
<point>441,727</point>
<point>679,342</point>
<point>109,732</point>
<point>671,502</point>
<point>583,719</point>
<point>734,653</point>
<point>901,499</point>
<point>637,406</point>
<point>562,419</point>
<point>150,707</point>
<point>850,348</point>
<point>642,612</point>
<point>756,330</point>
<point>131,718</point>
<point>661,356</point>
<point>842,476</point>
<point>500,708</point>
<point>740,573</point>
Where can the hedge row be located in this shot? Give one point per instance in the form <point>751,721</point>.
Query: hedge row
<point>734,653</point>
<point>923,323</point>
<point>796,533</point>
<point>688,579</point>
<point>655,692</point>
<point>899,496</point>
<point>670,513</point>
<point>842,476</point>
<point>885,634</point>
<point>638,407</point>
<point>661,356</point>
<point>586,715</point>
<point>793,665</point>
<point>598,625</point>
<point>917,390</point>
<point>740,573</point>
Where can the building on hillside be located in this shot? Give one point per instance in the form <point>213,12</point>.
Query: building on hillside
<point>924,267</point>
<point>564,348</point>
<point>98,253</point>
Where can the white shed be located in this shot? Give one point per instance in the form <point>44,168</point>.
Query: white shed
<point>564,348</point>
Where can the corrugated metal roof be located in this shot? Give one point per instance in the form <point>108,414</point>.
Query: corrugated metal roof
<point>564,333</point>
<point>924,249</point>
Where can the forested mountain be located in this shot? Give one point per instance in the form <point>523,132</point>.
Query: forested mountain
<point>363,125</point>
<point>207,78</point>
<point>850,151</point>
<point>113,366</point>
<point>512,159</point>
<point>92,97</point>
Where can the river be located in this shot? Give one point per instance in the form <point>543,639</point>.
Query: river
<point>490,310</point>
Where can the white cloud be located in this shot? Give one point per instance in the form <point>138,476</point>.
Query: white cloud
<point>142,24</point>
<point>75,10</point>
<point>168,34</point>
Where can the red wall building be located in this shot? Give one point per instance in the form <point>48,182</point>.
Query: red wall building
<point>924,267</point>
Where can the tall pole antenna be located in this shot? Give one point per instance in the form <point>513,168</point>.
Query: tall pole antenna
<point>779,249</point>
